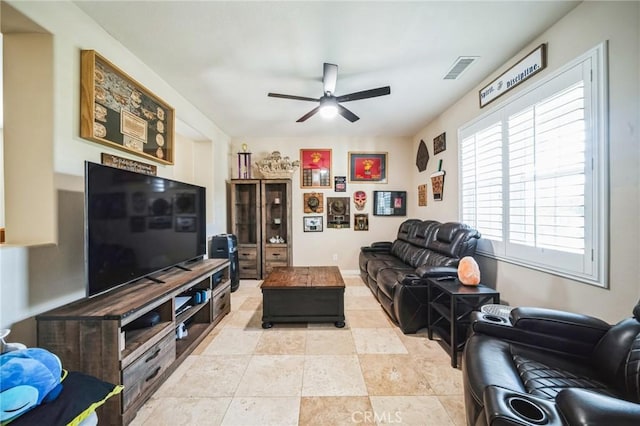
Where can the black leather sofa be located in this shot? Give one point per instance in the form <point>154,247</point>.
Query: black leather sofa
<point>548,367</point>
<point>396,271</point>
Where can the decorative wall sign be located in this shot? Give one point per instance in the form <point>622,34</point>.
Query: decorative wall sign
<point>313,202</point>
<point>439,143</point>
<point>422,195</point>
<point>361,222</point>
<point>315,168</point>
<point>117,111</point>
<point>338,212</point>
<point>437,184</point>
<point>126,164</point>
<point>422,158</point>
<point>368,167</point>
<point>526,68</point>
<point>340,183</point>
<point>312,223</point>
<point>359,200</point>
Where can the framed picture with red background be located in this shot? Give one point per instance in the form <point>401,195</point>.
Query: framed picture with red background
<point>368,167</point>
<point>315,168</point>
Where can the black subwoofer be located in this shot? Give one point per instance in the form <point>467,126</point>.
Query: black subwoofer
<point>225,246</point>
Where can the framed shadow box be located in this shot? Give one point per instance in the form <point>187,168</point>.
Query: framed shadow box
<point>117,111</point>
<point>312,223</point>
<point>389,203</point>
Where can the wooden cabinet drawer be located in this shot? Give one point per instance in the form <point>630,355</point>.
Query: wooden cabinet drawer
<point>247,253</point>
<point>221,301</point>
<point>277,254</point>
<point>144,371</point>
<point>248,269</point>
<point>270,265</point>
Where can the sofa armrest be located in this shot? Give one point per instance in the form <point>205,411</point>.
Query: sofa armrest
<point>426,271</point>
<point>378,247</point>
<point>584,407</point>
<point>548,329</point>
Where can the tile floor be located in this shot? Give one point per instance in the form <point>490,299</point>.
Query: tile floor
<point>310,374</point>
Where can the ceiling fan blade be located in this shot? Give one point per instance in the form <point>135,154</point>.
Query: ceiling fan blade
<point>371,93</point>
<point>297,98</point>
<point>307,115</point>
<point>329,77</point>
<point>347,114</point>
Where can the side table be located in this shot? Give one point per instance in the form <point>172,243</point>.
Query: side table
<point>450,306</point>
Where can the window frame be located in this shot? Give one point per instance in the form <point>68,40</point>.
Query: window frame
<point>597,142</point>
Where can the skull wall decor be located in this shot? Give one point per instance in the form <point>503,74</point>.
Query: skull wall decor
<point>360,200</point>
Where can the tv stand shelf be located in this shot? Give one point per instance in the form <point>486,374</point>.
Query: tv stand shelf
<point>102,336</point>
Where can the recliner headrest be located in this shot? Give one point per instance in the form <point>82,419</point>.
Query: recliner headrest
<point>447,232</point>
<point>636,311</point>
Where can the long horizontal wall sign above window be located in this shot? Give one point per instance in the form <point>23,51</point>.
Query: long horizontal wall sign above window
<point>526,68</point>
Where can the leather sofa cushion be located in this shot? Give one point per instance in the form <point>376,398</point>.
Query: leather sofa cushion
<point>449,238</point>
<point>375,266</point>
<point>391,277</point>
<point>527,370</point>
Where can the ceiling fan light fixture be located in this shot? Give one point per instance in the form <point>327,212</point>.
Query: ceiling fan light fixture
<point>328,108</point>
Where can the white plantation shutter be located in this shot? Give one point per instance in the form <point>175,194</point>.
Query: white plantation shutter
<point>532,173</point>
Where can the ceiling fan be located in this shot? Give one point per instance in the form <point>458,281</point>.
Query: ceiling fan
<point>329,103</point>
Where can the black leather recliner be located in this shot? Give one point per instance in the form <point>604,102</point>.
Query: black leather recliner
<point>396,271</point>
<point>542,366</point>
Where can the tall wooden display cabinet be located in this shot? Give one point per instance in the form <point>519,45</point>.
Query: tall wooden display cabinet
<point>261,221</point>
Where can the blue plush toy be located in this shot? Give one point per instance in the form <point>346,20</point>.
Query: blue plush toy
<point>28,377</point>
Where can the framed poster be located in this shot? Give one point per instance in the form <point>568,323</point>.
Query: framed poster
<point>313,202</point>
<point>368,167</point>
<point>439,143</point>
<point>312,223</point>
<point>315,168</point>
<point>360,222</point>
<point>340,183</point>
<point>117,111</point>
<point>389,203</point>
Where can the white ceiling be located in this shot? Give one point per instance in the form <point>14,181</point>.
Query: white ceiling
<point>224,57</point>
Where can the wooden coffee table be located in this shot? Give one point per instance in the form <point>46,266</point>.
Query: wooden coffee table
<point>303,294</point>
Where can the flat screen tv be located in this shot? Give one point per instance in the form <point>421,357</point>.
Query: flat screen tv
<point>137,225</point>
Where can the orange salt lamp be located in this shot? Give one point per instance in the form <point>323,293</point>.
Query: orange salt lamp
<point>468,271</point>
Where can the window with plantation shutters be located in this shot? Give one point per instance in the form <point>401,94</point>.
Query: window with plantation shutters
<point>533,173</point>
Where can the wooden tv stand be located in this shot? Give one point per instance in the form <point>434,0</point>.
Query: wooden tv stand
<point>94,335</point>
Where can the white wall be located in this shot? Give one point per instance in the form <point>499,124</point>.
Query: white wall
<point>583,28</point>
<point>37,278</point>
<point>318,248</point>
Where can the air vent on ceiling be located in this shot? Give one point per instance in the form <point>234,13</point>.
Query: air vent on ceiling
<point>459,66</point>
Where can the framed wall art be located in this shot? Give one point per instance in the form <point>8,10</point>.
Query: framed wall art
<point>117,111</point>
<point>360,222</point>
<point>439,143</point>
<point>313,202</point>
<point>389,203</point>
<point>368,167</point>
<point>312,223</point>
<point>315,168</point>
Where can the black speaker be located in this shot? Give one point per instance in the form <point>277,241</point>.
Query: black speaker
<point>225,246</point>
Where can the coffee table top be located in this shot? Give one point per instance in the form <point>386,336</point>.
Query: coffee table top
<point>303,276</point>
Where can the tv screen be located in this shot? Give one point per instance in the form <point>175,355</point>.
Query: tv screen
<point>137,224</point>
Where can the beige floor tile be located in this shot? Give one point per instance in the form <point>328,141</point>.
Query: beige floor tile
<point>330,342</point>
<point>209,376</point>
<point>237,301</point>
<point>410,410</point>
<point>186,411</point>
<point>282,341</point>
<point>360,303</point>
<point>261,411</point>
<point>358,290</point>
<point>335,411</point>
<point>332,375</point>
<point>233,341</point>
<point>419,344</point>
<point>269,375</point>
<point>368,319</point>
<point>377,341</point>
<point>454,404</point>
<point>352,280</point>
<point>247,320</point>
<point>208,339</point>
<point>393,375</point>
<point>251,304</point>
<point>443,380</point>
